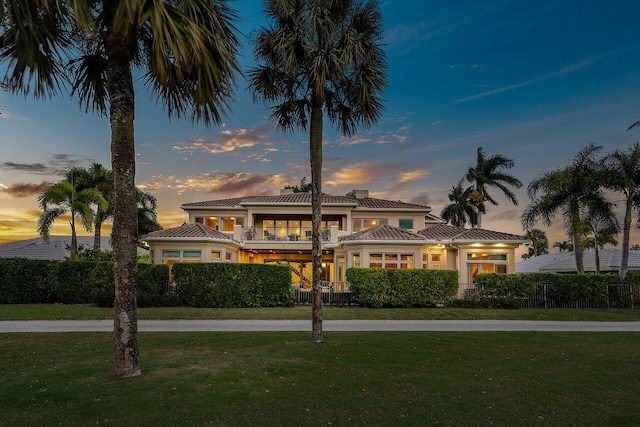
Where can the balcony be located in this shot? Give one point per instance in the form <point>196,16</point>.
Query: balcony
<point>282,234</point>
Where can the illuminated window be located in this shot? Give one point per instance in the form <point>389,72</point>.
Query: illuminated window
<point>391,260</point>
<point>360,224</point>
<point>216,256</point>
<point>356,260</point>
<point>228,256</point>
<point>485,263</point>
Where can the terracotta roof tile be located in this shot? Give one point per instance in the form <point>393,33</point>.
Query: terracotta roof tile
<point>305,198</point>
<point>195,230</point>
<point>450,232</point>
<point>382,232</point>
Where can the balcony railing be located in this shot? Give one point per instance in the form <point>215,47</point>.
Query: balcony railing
<point>282,234</point>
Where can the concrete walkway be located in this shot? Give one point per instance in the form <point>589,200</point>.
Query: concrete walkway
<point>328,325</point>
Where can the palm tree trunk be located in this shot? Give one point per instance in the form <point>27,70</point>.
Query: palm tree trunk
<point>577,248</point>
<point>121,93</point>
<point>596,255</point>
<point>624,261</point>
<point>74,238</point>
<point>315,155</point>
<point>97,233</point>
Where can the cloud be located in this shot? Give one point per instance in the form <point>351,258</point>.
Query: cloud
<point>413,175</point>
<point>58,164</point>
<point>393,175</point>
<point>25,189</point>
<point>229,184</point>
<point>566,70</point>
<point>226,142</point>
<point>421,199</point>
<point>353,141</point>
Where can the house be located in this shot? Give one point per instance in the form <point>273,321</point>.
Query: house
<point>55,249</point>
<point>357,231</point>
<point>565,262</point>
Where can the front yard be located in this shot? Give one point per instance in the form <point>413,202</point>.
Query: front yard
<point>273,379</point>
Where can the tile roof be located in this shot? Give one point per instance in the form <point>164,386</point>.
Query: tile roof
<point>195,230</point>
<point>54,249</point>
<point>566,263</point>
<point>382,232</point>
<point>305,198</point>
<point>450,232</point>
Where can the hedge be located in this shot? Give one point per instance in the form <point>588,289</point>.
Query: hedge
<point>25,281</point>
<point>28,281</point>
<point>385,287</point>
<point>562,287</point>
<point>231,285</point>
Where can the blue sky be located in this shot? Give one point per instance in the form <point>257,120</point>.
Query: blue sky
<point>534,81</point>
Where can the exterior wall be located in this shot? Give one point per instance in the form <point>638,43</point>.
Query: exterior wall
<point>485,249</point>
<point>393,217</point>
<point>156,249</point>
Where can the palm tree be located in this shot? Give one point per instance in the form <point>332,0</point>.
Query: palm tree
<point>622,174</point>
<point>317,58</point>
<point>539,243</point>
<point>564,246</point>
<point>460,211</point>
<point>571,190</point>
<point>600,229</point>
<point>65,198</point>
<point>186,51</point>
<point>99,178</point>
<point>147,219</point>
<point>490,172</point>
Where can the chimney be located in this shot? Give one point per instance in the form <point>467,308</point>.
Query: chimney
<point>361,194</point>
<point>284,191</point>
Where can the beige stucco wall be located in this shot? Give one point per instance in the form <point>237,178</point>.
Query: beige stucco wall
<point>156,248</point>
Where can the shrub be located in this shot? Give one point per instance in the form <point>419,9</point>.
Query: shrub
<point>562,289</point>
<point>382,287</point>
<point>25,281</point>
<point>233,285</point>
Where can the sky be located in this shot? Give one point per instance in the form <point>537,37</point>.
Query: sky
<point>533,81</point>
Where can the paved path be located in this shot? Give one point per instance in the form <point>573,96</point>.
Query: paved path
<point>328,325</point>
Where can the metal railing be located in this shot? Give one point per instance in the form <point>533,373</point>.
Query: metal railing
<point>283,234</point>
<point>333,293</point>
<point>546,296</point>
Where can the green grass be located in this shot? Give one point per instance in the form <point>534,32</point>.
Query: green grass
<point>274,379</point>
<point>81,312</point>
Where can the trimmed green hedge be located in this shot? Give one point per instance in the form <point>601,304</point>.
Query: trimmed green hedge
<point>25,281</point>
<point>563,287</point>
<point>28,281</point>
<point>233,285</point>
<point>385,287</point>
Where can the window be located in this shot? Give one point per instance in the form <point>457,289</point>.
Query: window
<point>355,260</point>
<point>228,256</point>
<point>483,263</point>
<point>216,256</point>
<point>360,224</point>
<point>406,223</point>
<point>191,256</point>
<point>391,260</point>
<point>220,223</point>
<point>170,257</point>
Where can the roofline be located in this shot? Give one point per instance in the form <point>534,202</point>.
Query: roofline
<point>294,204</point>
<point>454,240</point>
<point>192,239</point>
<point>364,208</point>
<point>185,207</point>
<point>388,242</point>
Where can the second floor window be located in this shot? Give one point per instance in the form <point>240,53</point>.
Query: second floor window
<point>220,223</point>
<point>360,224</point>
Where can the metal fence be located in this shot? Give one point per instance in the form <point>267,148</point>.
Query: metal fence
<point>547,296</point>
<point>333,293</point>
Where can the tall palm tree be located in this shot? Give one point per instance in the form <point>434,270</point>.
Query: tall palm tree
<point>490,172</point>
<point>186,50</point>
<point>622,174</point>
<point>65,198</point>
<point>460,210</point>
<point>571,190</point>
<point>600,229</point>
<point>320,58</point>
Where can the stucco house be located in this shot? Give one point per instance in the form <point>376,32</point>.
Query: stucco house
<point>357,231</point>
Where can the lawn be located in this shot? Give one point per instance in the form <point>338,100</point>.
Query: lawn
<point>275,379</point>
<point>82,312</point>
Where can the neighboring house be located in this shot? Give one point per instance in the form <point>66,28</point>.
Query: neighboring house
<point>566,263</point>
<point>357,231</point>
<point>56,249</point>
